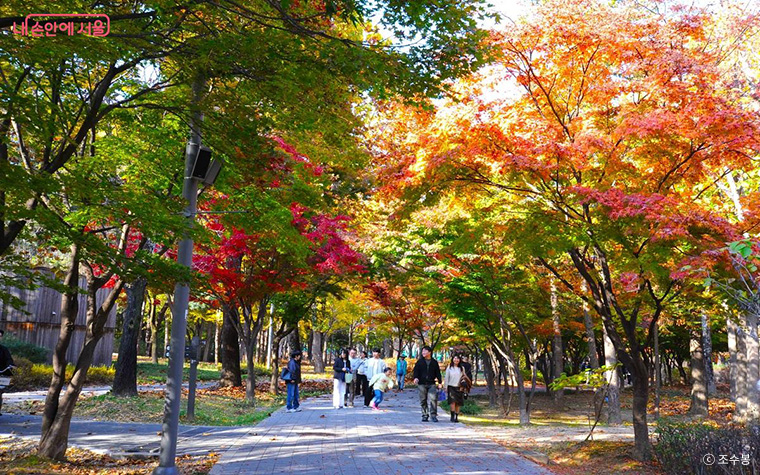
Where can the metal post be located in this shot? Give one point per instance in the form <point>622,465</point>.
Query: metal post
<point>170,427</point>
<point>193,376</point>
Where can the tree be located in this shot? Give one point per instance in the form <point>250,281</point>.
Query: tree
<point>605,155</point>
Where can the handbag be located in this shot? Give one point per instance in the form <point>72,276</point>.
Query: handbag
<point>349,378</point>
<point>285,375</point>
<point>441,395</point>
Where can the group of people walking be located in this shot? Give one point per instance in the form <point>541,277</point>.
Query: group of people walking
<point>354,374</point>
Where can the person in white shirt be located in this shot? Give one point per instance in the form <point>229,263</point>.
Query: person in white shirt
<point>375,365</point>
<point>355,385</point>
<point>453,382</point>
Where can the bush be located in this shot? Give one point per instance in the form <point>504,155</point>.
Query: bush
<point>470,407</point>
<point>28,375</point>
<point>260,369</point>
<point>23,349</point>
<point>698,448</point>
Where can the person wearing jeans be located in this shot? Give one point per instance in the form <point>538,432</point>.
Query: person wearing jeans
<point>374,365</point>
<point>380,383</point>
<point>401,371</point>
<point>294,368</point>
<point>355,386</point>
<point>427,377</point>
<point>362,384</point>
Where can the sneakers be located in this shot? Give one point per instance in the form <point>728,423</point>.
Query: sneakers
<point>298,409</point>
<point>435,419</point>
<point>373,405</point>
<point>291,410</point>
<point>375,408</point>
<point>424,419</point>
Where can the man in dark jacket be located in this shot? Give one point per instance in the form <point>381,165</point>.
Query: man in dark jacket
<point>427,377</point>
<point>6,361</point>
<point>294,371</point>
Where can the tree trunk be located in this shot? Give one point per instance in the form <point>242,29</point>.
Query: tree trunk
<point>707,355</point>
<point>387,348</point>
<point>207,348</point>
<point>642,445</point>
<point>125,378</point>
<point>250,380</point>
<point>732,361</point>
<point>217,341</point>
<point>230,352</point>
<point>316,352</point>
<point>614,416</point>
<point>557,359</point>
<point>753,369</point>
<point>69,311</point>
<point>54,440</point>
<point>490,376</point>
<point>154,319</point>
<point>273,388</point>
<point>522,400</point>
<point>294,340</point>
<point>741,374</point>
<point>699,404</point>
<point>590,336</point>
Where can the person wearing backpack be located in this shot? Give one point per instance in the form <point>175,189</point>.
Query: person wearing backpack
<point>292,377</point>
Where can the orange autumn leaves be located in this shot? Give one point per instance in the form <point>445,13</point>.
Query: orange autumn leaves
<point>627,111</point>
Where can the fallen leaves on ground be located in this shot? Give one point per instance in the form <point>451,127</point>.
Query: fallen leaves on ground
<point>19,456</point>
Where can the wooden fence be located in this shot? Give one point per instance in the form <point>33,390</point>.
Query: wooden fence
<point>39,322</point>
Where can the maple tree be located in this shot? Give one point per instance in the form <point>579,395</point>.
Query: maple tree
<point>604,154</point>
<point>247,266</point>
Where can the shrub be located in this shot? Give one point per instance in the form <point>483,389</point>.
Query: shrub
<point>697,448</point>
<point>470,407</point>
<point>28,375</point>
<point>23,349</point>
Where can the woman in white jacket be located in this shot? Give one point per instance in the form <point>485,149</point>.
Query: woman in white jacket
<point>453,382</point>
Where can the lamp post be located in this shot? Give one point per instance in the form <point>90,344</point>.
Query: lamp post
<point>198,167</point>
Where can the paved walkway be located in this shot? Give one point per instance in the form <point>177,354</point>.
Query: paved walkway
<point>127,438</point>
<point>322,440</point>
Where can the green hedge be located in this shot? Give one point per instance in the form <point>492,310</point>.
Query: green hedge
<point>703,449</point>
<point>22,349</point>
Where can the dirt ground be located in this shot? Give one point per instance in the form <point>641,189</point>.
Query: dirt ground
<point>558,431</point>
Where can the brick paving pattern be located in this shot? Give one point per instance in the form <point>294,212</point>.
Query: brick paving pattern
<point>359,441</point>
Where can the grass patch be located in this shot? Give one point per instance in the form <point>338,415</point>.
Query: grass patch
<point>155,373</point>
<point>217,407</point>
